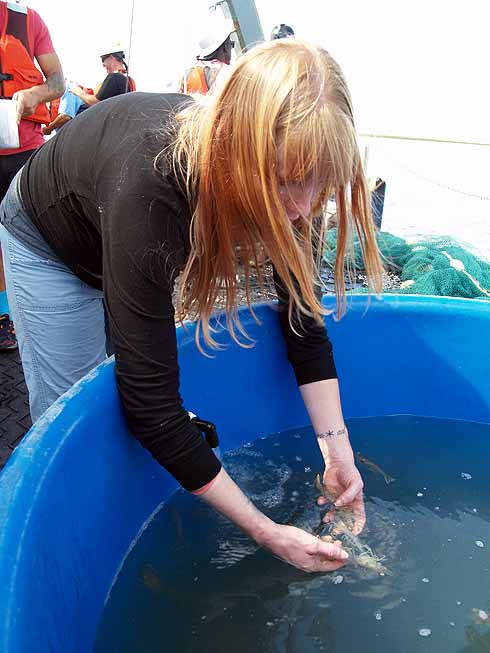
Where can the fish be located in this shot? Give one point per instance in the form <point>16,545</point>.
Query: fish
<point>151,578</point>
<point>359,552</point>
<point>372,563</point>
<point>374,467</point>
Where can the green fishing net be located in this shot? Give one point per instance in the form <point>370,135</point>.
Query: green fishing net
<point>432,266</point>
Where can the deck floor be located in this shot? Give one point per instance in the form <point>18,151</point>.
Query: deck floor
<point>15,420</point>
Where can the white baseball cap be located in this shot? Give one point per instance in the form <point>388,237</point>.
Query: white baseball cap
<point>216,31</point>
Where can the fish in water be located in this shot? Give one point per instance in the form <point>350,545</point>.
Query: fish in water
<point>151,578</point>
<point>359,552</point>
<point>374,467</point>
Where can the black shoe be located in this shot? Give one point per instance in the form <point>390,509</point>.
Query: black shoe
<point>8,340</point>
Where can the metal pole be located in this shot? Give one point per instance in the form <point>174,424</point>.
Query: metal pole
<point>246,21</point>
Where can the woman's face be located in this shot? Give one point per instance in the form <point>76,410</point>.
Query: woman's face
<point>298,198</point>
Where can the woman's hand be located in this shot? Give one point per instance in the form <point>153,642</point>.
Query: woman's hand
<point>305,551</point>
<point>343,481</point>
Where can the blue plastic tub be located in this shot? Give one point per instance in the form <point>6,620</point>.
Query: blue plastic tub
<point>79,489</point>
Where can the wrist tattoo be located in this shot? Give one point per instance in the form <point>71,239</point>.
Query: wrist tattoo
<point>331,433</point>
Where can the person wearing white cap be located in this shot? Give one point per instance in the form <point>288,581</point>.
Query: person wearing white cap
<point>117,81</point>
<point>214,58</point>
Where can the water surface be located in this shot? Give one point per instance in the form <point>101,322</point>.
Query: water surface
<point>194,582</point>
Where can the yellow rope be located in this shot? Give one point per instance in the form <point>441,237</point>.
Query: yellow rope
<point>422,138</point>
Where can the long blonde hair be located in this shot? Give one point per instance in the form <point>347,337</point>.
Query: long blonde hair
<point>284,97</point>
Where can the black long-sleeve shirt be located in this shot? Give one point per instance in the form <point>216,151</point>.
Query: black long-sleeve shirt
<point>95,197</point>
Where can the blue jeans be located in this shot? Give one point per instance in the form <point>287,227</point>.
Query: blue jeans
<point>59,320</point>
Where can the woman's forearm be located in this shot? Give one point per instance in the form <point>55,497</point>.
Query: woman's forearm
<point>225,496</point>
<point>341,476</point>
<point>322,401</point>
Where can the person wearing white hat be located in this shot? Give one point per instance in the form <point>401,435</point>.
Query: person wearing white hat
<point>117,81</point>
<point>214,58</point>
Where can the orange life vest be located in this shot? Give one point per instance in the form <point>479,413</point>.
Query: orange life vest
<point>17,68</point>
<point>195,81</point>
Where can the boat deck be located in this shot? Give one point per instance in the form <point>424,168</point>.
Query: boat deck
<point>15,420</point>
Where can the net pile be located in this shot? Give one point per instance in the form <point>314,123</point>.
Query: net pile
<point>432,266</point>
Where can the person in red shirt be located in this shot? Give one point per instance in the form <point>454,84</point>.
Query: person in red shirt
<point>25,29</point>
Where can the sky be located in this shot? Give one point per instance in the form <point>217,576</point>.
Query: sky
<point>414,68</point>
